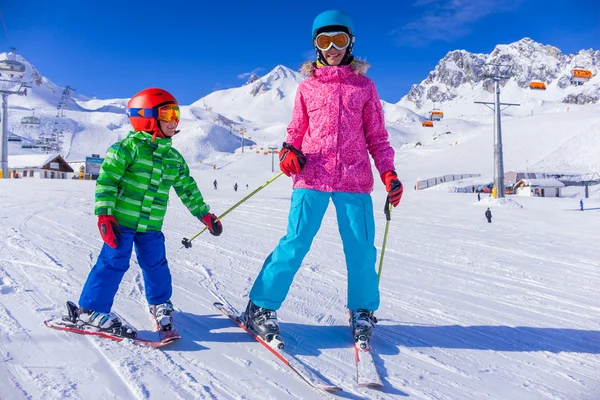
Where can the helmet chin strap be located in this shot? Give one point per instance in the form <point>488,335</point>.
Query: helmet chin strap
<point>158,132</point>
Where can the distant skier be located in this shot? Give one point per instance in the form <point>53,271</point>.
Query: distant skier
<point>215,184</point>
<point>235,187</point>
<point>339,172</point>
<point>246,186</point>
<point>132,194</point>
<point>581,204</point>
<point>488,215</point>
<point>478,196</point>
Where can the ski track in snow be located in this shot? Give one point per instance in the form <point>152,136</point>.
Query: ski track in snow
<point>469,310</point>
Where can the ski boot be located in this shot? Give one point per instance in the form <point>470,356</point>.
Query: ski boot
<point>362,322</point>
<point>163,315</point>
<point>101,322</point>
<point>263,322</point>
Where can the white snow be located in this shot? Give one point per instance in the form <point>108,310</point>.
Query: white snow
<point>469,310</point>
<point>29,160</point>
<point>543,182</point>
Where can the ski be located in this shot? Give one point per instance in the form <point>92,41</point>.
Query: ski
<point>290,361</point>
<point>86,330</point>
<point>366,371</point>
<point>69,323</point>
<point>167,336</point>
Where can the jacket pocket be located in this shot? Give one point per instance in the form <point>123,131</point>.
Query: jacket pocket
<point>315,104</point>
<point>295,217</point>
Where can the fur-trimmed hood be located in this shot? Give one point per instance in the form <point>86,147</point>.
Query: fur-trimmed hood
<point>358,66</point>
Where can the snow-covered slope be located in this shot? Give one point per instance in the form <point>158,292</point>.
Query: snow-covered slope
<point>469,310</point>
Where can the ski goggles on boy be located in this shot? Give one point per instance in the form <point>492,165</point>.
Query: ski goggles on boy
<point>167,113</point>
<point>324,41</point>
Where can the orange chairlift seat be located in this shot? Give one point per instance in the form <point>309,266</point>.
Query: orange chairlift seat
<point>427,123</point>
<point>580,75</point>
<point>537,85</point>
<point>436,115</point>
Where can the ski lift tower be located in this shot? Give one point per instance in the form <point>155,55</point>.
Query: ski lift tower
<point>12,74</point>
<point>497,72</point>
<point>56,140</point>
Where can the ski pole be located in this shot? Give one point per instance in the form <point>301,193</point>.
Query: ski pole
<point>187,243</point>
<point>388,216</point>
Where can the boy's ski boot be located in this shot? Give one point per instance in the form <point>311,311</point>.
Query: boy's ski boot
<point>101,322</point>
<point>362,322</point>
<point>163,315</point>
<point>263,322</point>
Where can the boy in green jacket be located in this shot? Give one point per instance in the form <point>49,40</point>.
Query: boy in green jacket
<point>132,192</point>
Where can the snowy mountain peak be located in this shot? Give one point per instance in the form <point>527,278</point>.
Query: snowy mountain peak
<point>281,72</point>
<point>253,78</point>
<point>460,71</point>
<point>268,98</point>
<point>279,77</point>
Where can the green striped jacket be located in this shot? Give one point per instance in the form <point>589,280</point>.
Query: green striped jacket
<point>136,177</point>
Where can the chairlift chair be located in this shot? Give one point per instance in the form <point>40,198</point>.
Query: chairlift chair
<point>436,115</point>
<point>30,121</point>
<point>12,66</point>
<point>537,85</point>
<point>580,75</point>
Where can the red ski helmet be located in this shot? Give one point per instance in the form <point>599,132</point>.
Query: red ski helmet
<point>143,108</point>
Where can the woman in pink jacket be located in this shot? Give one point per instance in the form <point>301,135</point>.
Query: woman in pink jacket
<point>336,123</point>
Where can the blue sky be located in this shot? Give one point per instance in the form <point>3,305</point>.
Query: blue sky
<point>113,49</point>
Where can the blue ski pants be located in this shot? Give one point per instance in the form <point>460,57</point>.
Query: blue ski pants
<point>103,281</point>
<point>356,224</point>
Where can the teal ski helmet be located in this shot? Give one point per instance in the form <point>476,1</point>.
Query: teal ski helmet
<point>331,21</point>
<point>332,18</point>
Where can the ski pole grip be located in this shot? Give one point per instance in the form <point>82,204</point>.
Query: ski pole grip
<point>387,209</point>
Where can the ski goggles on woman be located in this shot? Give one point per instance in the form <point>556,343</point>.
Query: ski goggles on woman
<point>324,41</point>
<point>167,113</point>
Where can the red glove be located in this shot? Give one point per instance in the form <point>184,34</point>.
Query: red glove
<point>215,227</point>
<point>393,187</point>
<point>109,229</point>
<point>291,160</point>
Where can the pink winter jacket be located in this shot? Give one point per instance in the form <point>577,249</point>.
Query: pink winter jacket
<point>337,122</point>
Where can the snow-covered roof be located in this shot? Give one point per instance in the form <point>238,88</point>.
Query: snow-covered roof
<point>30,160</point>
<point>541,182</point>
